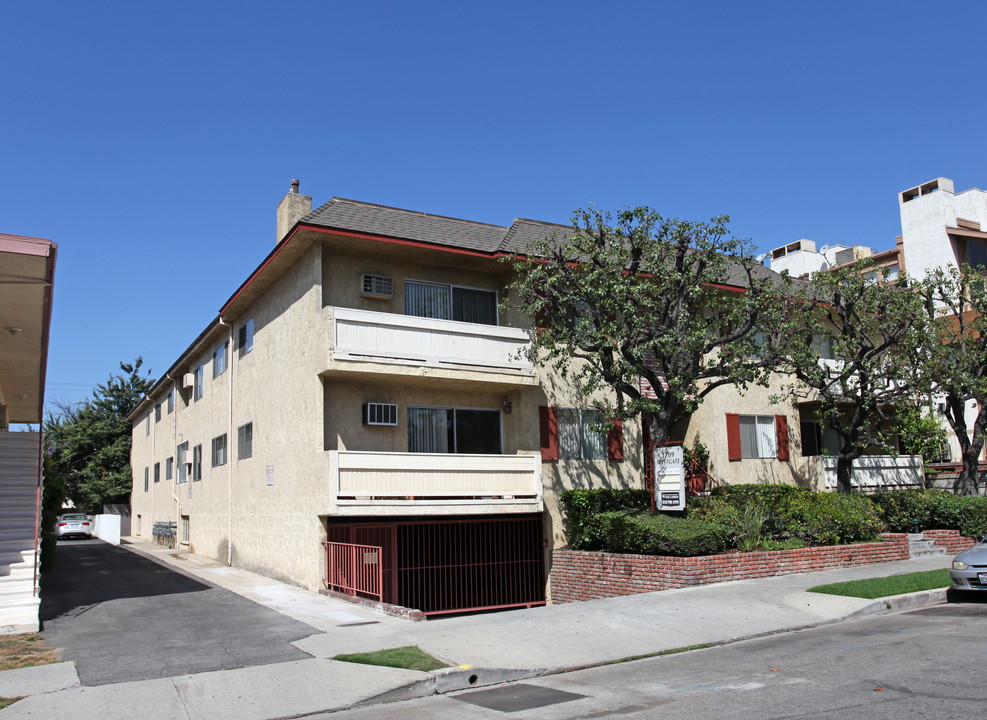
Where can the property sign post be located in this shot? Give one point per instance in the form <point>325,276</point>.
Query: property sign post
<point>669,478</point>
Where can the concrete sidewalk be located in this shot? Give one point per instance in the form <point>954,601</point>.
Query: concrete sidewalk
<point>483,648</point>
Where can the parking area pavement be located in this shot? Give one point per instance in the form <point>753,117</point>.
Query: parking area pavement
<point>122,617</point>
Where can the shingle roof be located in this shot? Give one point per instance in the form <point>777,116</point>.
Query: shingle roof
<point>361,217</point>
<point>343,214</point>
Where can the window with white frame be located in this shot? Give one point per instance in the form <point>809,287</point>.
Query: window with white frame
<point>245,441</point>
<point>181,452</point>
<point>245,337</point>
<point>758,437</point>
<point>171,401</point>
<point>219,450</point>
<point>450,302</point>
<point>147,425</point>
<point>184,530</point>
<point>197,463</point>
<point>577,438</point>
<point>453,430</point>
<point>169,468</point>
<point>219,361</point>
<point>199,382</point>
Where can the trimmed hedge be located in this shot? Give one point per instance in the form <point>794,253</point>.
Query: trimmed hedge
<point>581,505</point>
<point>638,532</point>
<point>933,510</point>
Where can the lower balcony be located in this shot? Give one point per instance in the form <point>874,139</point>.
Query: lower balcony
<point>873,472</point>
<point>395,483</point>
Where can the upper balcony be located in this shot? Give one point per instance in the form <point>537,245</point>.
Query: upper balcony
<point>362,338</point>
<point>395,483</point>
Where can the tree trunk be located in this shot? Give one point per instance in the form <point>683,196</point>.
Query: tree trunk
<point>968,483</point>
<point>844,468</point>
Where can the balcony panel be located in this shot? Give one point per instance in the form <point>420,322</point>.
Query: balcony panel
<point>389,337</point>
<point>366,483</point>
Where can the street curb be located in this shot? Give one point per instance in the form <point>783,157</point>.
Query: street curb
<point>465,677</point>
<point>897,603</point>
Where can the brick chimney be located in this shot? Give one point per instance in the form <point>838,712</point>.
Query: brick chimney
<point>292,208</point>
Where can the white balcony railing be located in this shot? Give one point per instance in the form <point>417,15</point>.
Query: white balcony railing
<point>871,472</point>
<point>425,482</point>
<point>389,337</point>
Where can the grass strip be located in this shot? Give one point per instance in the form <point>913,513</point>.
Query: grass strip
<point>5,701</point>
<point>885,586</point>
<point>410,658</point>
<point>20,651</point>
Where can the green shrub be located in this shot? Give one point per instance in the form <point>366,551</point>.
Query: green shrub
<point>641,533</point>
<point>789,544</point>
<point>832,519</point>
<point>581,505</point>
<point>933,510</point>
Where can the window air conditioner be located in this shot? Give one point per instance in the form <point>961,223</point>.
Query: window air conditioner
<point>188,380</point>
<point>380,414</point>
<point>377,286</point>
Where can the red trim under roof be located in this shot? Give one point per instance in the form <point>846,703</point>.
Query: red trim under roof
<point>25,245</point>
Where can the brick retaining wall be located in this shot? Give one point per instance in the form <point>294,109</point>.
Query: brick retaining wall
<point>951,540</point>
<point>578,575</point>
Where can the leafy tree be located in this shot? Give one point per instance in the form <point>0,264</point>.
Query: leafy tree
<point>955,361</point>
<point>849,343</point>
<point>678,304</point>
<point>89,443</point>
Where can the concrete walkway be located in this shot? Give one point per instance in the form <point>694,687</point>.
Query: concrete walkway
<point>483,648</point>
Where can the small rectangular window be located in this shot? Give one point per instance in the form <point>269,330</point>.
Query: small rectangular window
<point>577,438</point>
<point>758,438</point>
<point>157,472</point>
<point>245,441</point>
<point>145,480</point>
<point>196,463</point>
<point>245,338</point>
<point>171,401</point>
<point>157,413</point>
<point>219,361</point>
<point>185,529</point>
<point>182,454</point>
<point>147,425</point>
<point>199,382</point>
<point>219,450</point>
<point>169,468</point>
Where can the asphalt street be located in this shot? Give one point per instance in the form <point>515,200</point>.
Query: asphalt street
<point>921,664</point>
<point>124,617</point>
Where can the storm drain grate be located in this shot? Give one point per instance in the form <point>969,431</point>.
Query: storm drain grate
<point>514,698</point>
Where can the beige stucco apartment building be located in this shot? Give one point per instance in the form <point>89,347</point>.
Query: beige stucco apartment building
<point>363,386</point>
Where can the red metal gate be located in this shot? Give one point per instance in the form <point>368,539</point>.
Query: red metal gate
<point>354,569</point>
<point>455,565</point>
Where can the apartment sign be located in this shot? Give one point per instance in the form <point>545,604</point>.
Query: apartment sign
<point>669,478</point>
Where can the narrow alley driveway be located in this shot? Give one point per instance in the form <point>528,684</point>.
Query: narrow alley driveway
<point>121,616</point>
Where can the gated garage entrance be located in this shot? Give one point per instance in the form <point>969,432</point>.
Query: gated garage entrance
<point>439,566</point>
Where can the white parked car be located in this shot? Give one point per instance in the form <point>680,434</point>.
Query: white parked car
<point>969,571</point>
<point>74,524</point>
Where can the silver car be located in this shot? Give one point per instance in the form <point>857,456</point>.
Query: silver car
<point>969,571</point>
<point>71,524</point>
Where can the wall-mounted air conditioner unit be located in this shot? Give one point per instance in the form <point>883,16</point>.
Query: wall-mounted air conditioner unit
<point>380,414</point>
<point>377,286</point>
<point>188,380</point>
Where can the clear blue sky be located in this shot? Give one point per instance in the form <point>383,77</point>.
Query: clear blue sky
<point>153,141</point>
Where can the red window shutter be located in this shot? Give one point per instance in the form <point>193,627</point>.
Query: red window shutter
<point>549,422</point>
<point>615,441</point>
<point>733,437</point>
<point>781,426</point>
